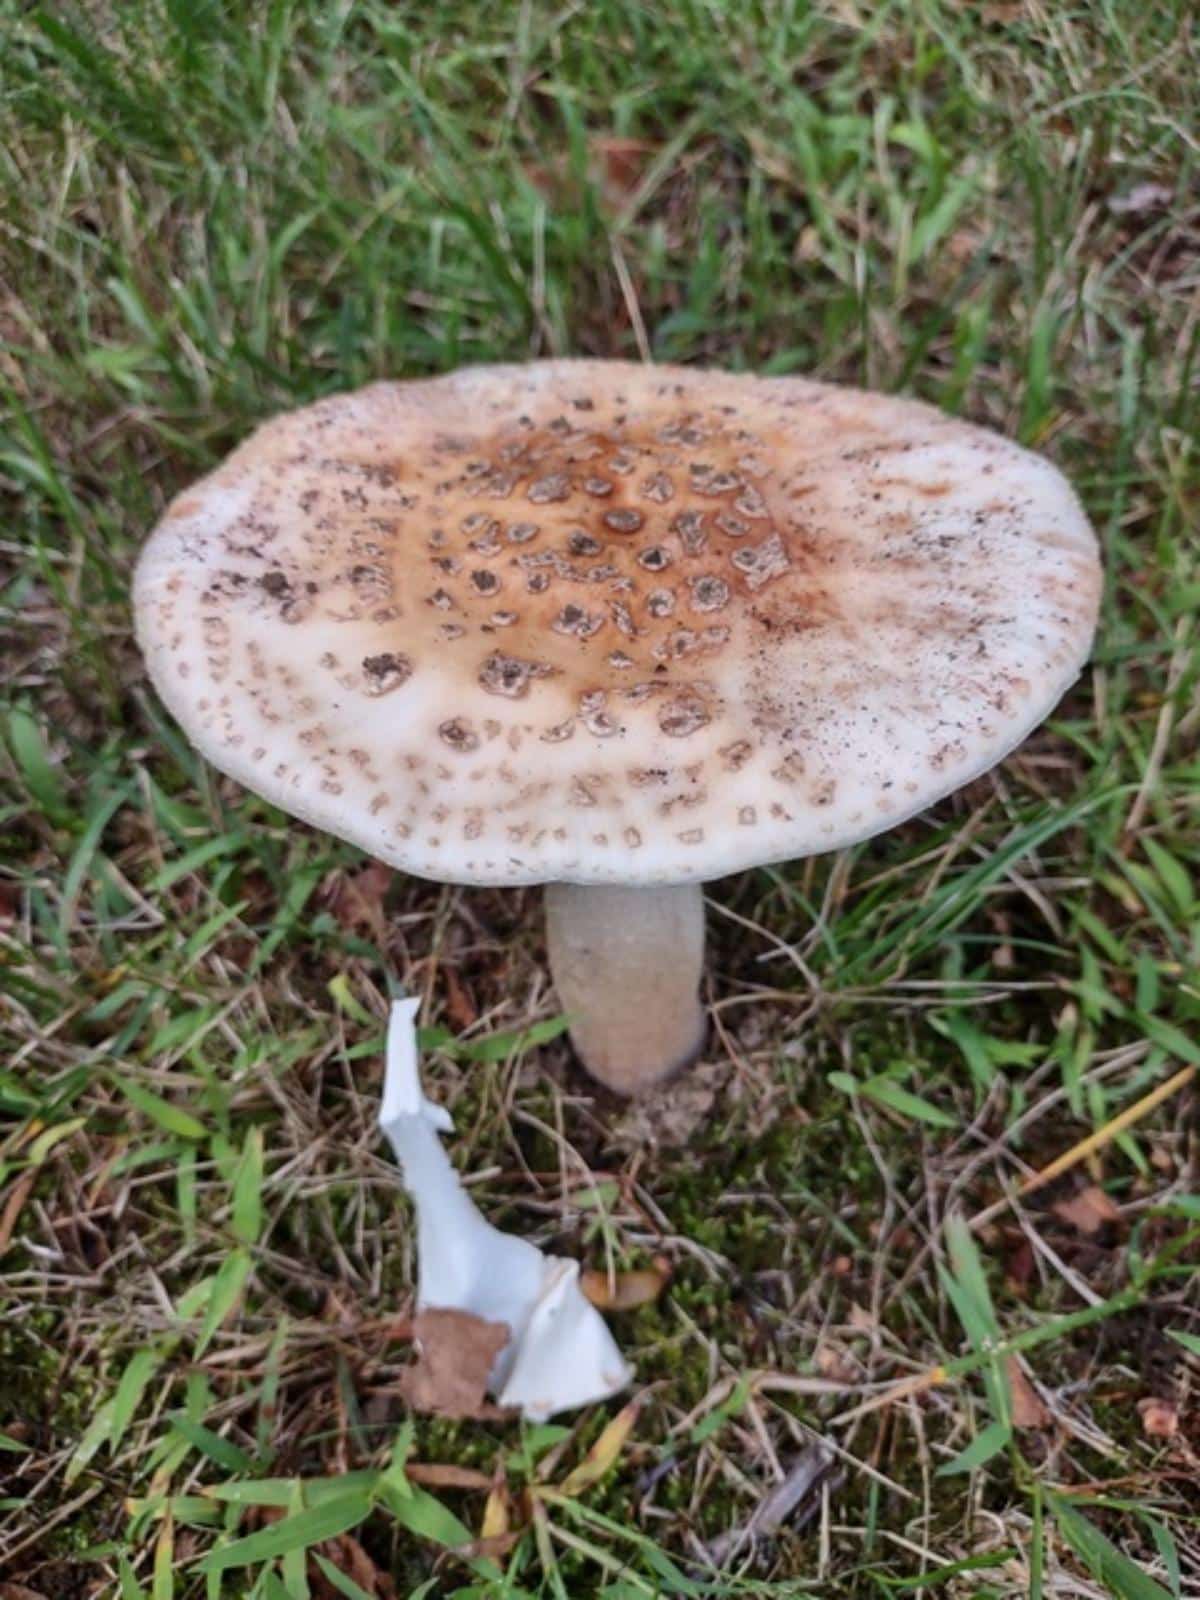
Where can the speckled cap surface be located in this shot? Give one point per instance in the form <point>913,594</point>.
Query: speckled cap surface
<point>606,623</point>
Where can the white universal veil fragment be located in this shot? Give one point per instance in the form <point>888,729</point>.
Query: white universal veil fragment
<point>618,630</point>
<point>560,1354</point>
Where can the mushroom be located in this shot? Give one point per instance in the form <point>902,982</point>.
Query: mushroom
<point>618,630</point>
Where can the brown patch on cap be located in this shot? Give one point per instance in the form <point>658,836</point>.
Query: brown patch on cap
<point>387,671</point>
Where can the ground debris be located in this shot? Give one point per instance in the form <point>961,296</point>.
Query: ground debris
<point>446,1475</point>
<point>1028,1408</point>
<point>457,1351</point>
<point>348,1557</point>
<point>356,898</point>
<point>625,1291</point>
<point>668,1118</point>
<point>1160,1418</point>
<point>794,1500</point>
<point>1141,198</point>
<point>1089,1211</point>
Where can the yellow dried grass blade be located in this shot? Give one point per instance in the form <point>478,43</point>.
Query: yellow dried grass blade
<point>496,1518</point>
<point>1110,1130</point>
<point>603,1453</point>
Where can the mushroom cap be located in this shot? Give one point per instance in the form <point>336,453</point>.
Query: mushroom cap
<point>607,623</point>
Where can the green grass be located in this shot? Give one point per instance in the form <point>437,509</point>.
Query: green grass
<point>209,212</point>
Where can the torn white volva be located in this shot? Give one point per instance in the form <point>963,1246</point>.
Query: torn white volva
<point>560,1353</point>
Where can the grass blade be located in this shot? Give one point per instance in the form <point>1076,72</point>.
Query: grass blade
<point>226,1292</point>
<point>298,1532</point>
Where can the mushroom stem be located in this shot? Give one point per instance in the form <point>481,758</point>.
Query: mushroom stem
<point>626,963</point>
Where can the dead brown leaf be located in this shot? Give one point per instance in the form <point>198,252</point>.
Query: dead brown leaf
<point>615,167</point>
<point>457,1351</point>
<point>445,1475</point>
<point>348,1557</point>
<point>1020,1265</point>
<point>619,163</point>
<point>18,1591</point>
<point>1088,1211</point>
<point>1160,1418</point>
<point>1028,1409</point>
<point>356,898</point>
<point>624,1291</point>
<point>461,1011</point>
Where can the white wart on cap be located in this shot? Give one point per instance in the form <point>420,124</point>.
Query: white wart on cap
<point>602,623</point>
